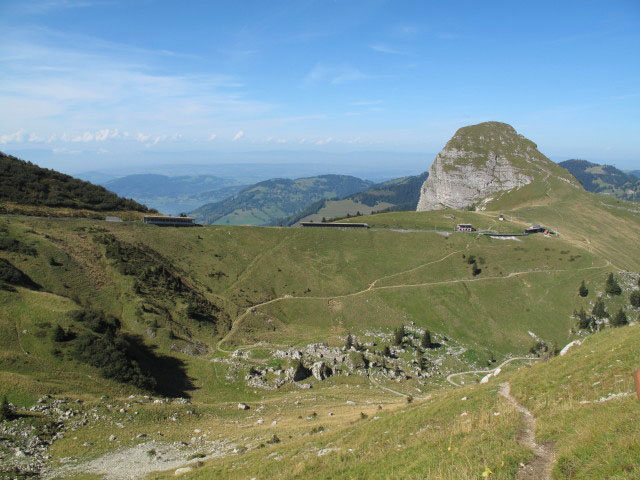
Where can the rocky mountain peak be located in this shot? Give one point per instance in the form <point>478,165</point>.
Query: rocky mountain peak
<point>481,160</point>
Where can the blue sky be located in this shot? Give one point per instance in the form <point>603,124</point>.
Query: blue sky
<point>92,83</point>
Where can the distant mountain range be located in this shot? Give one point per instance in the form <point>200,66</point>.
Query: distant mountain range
<point>605,179</point>
<point>266,202</point>
<point>397,194</point>
<point>174,195</point>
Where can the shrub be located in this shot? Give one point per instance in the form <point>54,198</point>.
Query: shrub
<point>58,334</point>
<point>475,271</point>
<point>110,354</point>
<point>96,321</point>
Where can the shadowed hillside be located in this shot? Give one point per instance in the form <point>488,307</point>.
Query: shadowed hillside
<point>27,184</point>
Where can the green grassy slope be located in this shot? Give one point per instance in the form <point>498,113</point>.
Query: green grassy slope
<point>464,433</point>
<point>188,296</point>
<point>320,283</point>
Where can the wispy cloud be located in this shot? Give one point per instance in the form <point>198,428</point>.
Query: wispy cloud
<point>333,74</point>
<point>237,136</point>
<point>365,103</point>
<point>325,141</point>
<point>51,87</point>
<point>386,49</point>
<point>41,7</point>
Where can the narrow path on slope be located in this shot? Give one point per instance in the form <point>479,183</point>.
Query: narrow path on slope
<point>506,362</point>
<point>372,287</point>
<point>541,466</point>
<point>286,297</point>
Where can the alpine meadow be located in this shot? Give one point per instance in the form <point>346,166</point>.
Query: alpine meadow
<point>366,312</point>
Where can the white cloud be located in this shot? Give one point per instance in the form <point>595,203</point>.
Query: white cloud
<point>15,137</point>
<point>212,137</point>
<point>106,134</point>
<point>325,141</point>
<point>237,136</point>
<point>142,138</point>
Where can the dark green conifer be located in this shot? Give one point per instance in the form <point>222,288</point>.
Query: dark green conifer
<point>634,299</point>
<point>599,310</point>
<point>611,286</point>
<point>584,322</point>
<point>583,290</point>
<point>620,319</point>
<point>5,409</point>
<point>426,340</point>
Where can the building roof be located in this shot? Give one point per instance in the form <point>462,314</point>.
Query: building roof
<point>166,217</point>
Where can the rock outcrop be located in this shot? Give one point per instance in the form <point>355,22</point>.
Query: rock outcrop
<point>480,161</point>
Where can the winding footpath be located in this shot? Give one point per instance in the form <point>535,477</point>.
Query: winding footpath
<point>486,372</point>
<point>372,287</point>
<point>541,466</point>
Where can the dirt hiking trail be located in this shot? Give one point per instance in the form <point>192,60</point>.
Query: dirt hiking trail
<point>541,466</point>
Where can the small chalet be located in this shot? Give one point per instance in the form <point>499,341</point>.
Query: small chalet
<point>465,227</point>
<point>535,228</point>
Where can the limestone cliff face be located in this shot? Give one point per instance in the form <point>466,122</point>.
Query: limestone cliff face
<point>480,161</point>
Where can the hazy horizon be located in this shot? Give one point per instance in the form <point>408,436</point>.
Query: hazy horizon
<point>105,82</point>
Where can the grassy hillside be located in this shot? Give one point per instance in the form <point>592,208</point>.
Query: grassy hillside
<point>268,201</point>
<point>24,183</point>
<point>605,179</point>
<point>170,305</point>
<point>583,404</point>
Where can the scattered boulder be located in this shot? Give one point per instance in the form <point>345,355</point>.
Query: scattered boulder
<point>243,406</point>
<point>320,370</point>
<point>297,373</point>
<point>182,471</point>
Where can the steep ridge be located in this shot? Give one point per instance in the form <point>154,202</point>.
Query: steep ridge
<point>24,183</point>
<point>480,161</point>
